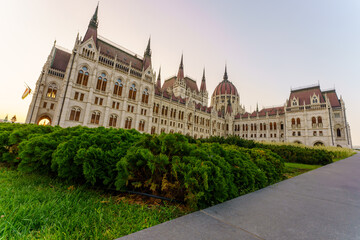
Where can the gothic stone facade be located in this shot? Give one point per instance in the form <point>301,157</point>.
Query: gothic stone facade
<point>102,84</point>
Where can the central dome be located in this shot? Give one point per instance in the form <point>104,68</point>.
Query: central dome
<point>225,87</point>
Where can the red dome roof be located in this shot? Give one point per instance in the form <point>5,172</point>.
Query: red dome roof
<point>225,87</point>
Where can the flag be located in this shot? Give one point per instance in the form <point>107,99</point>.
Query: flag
<point>27,92</point>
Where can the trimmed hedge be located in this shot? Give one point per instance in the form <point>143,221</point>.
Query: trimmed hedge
<point>291,153</point>
<point>200,174</point>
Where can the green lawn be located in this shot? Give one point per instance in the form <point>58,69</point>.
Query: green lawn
<point>294,169</point>
<point>34,206</point>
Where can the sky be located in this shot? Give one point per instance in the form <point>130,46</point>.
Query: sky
<point>269,46</point>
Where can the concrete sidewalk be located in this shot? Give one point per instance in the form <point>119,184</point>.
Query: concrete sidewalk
<point>321,204</point>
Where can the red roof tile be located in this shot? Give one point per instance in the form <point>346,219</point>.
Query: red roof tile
<point>225,87</point>
<point>108,50</point>
<point>333,98</point>
<point>305,94</point>
<point>60,60</point>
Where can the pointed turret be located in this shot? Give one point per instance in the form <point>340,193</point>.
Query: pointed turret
<point>147,56</point>
<point>158,82</point>
<point>180,74</point>
<point>92,28</point>
<point>225,74</point>
<point>203,83</point>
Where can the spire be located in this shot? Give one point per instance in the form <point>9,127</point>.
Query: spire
<point>257,107</point>
<point>94,20</point>
<point>148,50</point>
<point>158,82</point>
<point>147,56</point>
<point>92,28</point>
<point>203,83</point>
<point>180,74</point>
<point>225,74</point>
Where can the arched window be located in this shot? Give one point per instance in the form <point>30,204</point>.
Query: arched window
<point>95,117</point>
<point>255,126</point>
<point>247,127</point>
<point>128,123</point>
<point>261,127</point>
<point>313,120</point>
<point>101,83</point>
<point>83,76</point>
<point>252,127</point>
<point>338,132</point>
<point>153,130</point>
<point>141,125</point>
<point>293,121</point>
<point>271,126</point>
<point>52,89</point>
<point>118,87</point>
<point>132,92</point>
<point>294,103</point>
<point>264,126</point>
<point>298,121</point>
<point>145,96</point>
<point>314,100</point>
<point>274,125</point>
<point>75,114</point>
<point>320,120</point>
<point>112,120</point>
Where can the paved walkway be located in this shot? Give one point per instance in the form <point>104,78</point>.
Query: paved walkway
<point>321,204</point>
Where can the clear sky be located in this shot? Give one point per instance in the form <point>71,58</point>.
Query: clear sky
<point>269,46</point>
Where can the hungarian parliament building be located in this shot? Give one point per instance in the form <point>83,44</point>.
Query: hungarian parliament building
<point>102,84</point>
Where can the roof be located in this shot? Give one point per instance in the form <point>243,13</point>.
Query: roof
<point>272,111</point>
<point>225,87</point>
<point>190,83</point>
<point>108,49</point>
<point>305,95</point>
<point>60,60</point>
<point>333,98</point>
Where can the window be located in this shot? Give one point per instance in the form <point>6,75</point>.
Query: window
<point>261,127</point>
<point>271,126</point>
<point>44,105</point>
<point>299,133</point>
<point>153,130</point>
<point>52,106</point>
<point>101,83</point>
<point>75,114</point>
<point>293,121</point>
<point>274,125</point>
<point>294,133</point>
<point>128,123</point>
<point>319,120</point>
<point>141,125</point>
<point>298,121</point>
<point>52,89</point>
<point>145,96</point>
<point>265,127</point>
<point>118,87</point>
<point>132,92</point>
<point>314,133</point>
<point>282,126</point>
<point>338,132</point>
<point>95,117</point>
<point>313,120</point>
<point>320,133</point>
<point>83,76</point>
<point>314,100</point>
<point>98,101</point>
<point>294,103</point>
<point>79,96</point>
<point>337,115</point>
<point>76,96</point>
<point>112,120</point>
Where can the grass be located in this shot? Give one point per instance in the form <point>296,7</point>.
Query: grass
<point>294,169</point>
<point>34,206</point>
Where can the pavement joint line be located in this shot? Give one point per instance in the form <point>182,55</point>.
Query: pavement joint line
<point>232,225</point>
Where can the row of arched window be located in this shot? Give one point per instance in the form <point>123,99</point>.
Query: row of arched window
<point>95,119</point>
<point>254,126</point>
<point>83,78</point>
